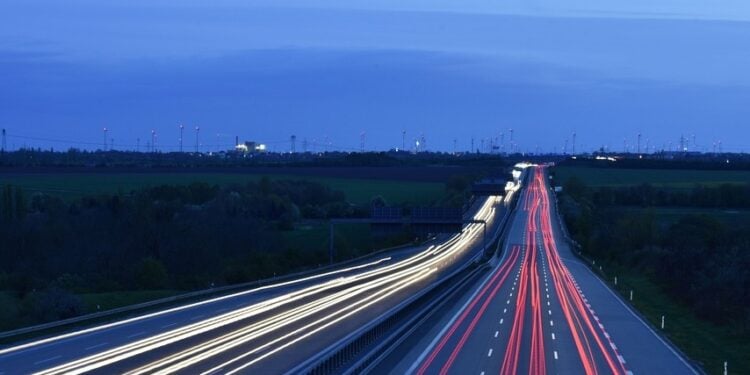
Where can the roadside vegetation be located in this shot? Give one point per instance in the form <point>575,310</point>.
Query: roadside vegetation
<point>63,256</point>
<point>73,186</point>
<point>684,249</point>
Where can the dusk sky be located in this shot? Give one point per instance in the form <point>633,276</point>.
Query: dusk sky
<point>332,69</point>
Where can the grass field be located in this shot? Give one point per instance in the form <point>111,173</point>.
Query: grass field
<point>671,178</point>
<point>72,185</point>
<point>707,343</point>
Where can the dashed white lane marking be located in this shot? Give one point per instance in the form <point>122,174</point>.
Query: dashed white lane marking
<point>547,303</point>
<point>505,311</point>
<point>137,334</point>
<point>48,359</point>
<point>489,353</point>
<point>497,333</point>
<point>550,312</point>
<point>555,353</point>
<point>551,323</point>
<point>95,346</point>
<point>508,303</point>
<point>481,373</point>
<point>501,320</point>
<point>169,325</point>
<point>614,347</point>
<point>222,310</point>
<point>619,357</point>
<point>197,317</point>
<point>553,335</point>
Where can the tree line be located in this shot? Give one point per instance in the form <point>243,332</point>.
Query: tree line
<point>699,259</point>
<point>162,237</point>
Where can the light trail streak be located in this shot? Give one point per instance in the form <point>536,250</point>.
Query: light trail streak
<point>185,307</point>
<point>540,251</point>
<point>399,275</point>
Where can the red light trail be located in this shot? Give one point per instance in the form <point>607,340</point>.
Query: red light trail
<point>525,348</point>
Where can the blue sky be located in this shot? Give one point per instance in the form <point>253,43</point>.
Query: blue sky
<point>330,70</point>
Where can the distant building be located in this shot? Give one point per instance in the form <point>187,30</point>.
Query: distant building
<point>250,147</point>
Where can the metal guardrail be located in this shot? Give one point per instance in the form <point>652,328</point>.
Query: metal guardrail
<point>588,262</point>
<point>408,324</point>
<point>186,297</point>
<point>337,355</point>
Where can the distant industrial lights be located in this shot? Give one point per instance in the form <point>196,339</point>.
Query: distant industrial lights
<point>608,158</point>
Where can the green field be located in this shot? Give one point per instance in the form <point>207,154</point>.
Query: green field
<point>710,344</point>
<point>671,178</point>
<point>358,191</point>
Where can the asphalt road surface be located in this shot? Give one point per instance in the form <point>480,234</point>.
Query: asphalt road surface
<point>265,330</point>
<point>539,311</point>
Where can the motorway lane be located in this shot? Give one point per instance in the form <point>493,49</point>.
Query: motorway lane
<point>271,335</point>
<point>644,351</point>
<point>39,354</point>
<point>530,315</point>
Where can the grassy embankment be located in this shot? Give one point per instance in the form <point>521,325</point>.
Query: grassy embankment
<point>705,342</point>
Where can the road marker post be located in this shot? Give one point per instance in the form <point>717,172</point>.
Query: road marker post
<point>631,295</point>
<point>615,280</point>
<point>662,322</point>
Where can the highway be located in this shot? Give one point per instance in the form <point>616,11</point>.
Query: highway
<point>540,310</point>
<point>264,330</point>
